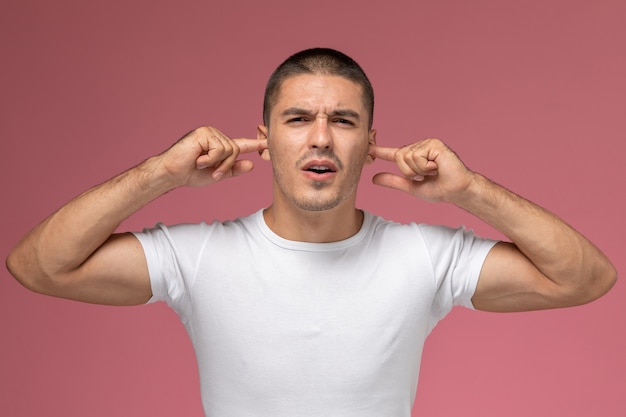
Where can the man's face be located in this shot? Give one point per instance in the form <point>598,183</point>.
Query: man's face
<point>318,141</point>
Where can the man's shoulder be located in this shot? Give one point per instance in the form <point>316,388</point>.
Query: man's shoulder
<point>202,228</point>
<point>430,234</point>
<point>378,223</point>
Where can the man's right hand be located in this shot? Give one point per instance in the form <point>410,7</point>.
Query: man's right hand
<point>206,155</point>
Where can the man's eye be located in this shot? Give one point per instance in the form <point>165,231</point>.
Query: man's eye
<point>296,120</point>
<point>345,121</point>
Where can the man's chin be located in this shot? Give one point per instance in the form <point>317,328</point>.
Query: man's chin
<point>317,204</point>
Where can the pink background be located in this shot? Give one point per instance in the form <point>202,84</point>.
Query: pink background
<point>530,93</point>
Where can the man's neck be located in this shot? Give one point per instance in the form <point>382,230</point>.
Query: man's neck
<point>325,226</point>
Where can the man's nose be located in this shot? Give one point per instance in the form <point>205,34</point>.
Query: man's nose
<point>321,135</point>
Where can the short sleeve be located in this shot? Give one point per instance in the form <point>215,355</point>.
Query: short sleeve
<point>172,255</point>
<point>457,257</point>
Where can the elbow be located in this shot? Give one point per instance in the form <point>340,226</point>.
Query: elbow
<point>15,266</point>
<point>607,279</point>
<point>597,285</point>
<point>20,267</point>
<point>23,264</point>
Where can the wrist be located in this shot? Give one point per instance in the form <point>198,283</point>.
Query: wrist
<point>472,189</point>
<point>153,176</point>
<point>491,203</point>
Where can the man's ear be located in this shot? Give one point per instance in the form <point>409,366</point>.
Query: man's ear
<point>262,132</point>
<point>372,141</point>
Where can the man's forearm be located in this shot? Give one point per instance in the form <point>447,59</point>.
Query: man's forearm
<point>63,241</point>
<point>557,250</point>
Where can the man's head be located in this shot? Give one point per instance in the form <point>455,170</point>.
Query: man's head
<point>323,61</point>
<point>317,124</point>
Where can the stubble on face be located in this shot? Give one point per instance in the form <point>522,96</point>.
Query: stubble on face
<point>321,200</point>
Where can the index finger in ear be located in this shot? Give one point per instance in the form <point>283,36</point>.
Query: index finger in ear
<point>387,154</point>
<point>250,145</point>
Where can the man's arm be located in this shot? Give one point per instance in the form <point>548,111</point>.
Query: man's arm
<point>547,265</point>
<point>74,253</point>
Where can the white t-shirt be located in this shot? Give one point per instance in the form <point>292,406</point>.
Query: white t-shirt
<point>284,328</point>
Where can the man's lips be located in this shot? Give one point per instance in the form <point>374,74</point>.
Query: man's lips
<point>320,166</point>
<point>319,169</point>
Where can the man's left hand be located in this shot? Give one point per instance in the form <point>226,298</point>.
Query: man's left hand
<point>430,170</point>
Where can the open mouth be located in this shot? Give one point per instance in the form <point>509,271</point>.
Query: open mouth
<point>320,169</point>
<point>320,166</point>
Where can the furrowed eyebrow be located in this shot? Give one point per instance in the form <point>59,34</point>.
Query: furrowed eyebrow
<point>296,111</point>
<point>346,113</point>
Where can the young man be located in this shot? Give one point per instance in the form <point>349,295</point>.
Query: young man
<point>311,307</point>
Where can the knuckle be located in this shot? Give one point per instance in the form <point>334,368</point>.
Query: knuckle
<point>229,148</point>
<point>204,130</point>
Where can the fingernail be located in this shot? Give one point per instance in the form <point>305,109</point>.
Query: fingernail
<point>217,175</point>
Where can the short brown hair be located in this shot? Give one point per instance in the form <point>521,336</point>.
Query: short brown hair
<point>318,61</point>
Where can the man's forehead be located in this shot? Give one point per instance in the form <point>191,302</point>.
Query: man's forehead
<point>313,89</point>
<point>315,92</point>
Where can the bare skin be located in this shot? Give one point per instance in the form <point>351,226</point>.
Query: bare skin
<point>318,142</point>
